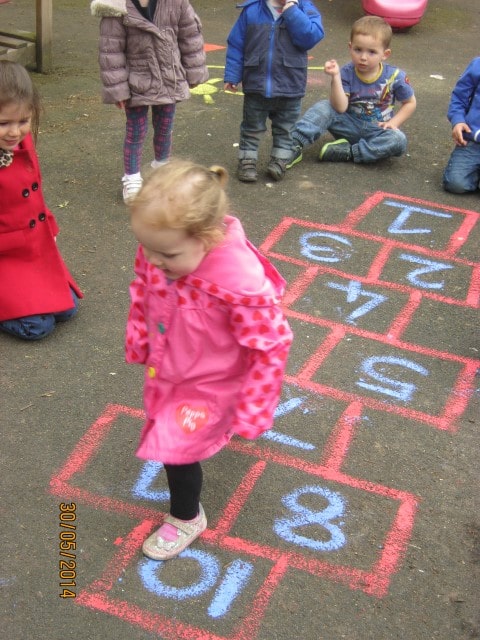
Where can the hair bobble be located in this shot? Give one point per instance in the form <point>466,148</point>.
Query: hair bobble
<point>219,173</point>
<point>215,171</point>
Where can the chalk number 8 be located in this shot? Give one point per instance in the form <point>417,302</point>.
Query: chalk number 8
<point>304,517</point>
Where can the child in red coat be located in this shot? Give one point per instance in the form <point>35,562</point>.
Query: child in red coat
<point>36,288</point>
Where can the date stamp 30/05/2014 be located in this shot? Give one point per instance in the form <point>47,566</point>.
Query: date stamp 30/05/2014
<point>67,545</point>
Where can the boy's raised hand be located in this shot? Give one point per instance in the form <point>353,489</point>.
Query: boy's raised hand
<point>331,68</point>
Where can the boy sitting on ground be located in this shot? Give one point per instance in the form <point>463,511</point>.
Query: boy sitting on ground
<point>360,112</point>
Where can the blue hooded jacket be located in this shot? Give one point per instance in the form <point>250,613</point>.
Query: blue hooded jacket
<point>465,101</point>
<point>268,56</point>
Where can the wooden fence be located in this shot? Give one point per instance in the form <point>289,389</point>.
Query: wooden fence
<point>29,48</point>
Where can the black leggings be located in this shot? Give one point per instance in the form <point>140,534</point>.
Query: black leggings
<point>185,484</point>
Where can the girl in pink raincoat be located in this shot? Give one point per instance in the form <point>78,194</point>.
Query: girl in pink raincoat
<point>205,321</point>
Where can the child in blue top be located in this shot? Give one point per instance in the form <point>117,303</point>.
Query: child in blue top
<point>267,53</point>
<point>360,112</point>
<point>462,174</point>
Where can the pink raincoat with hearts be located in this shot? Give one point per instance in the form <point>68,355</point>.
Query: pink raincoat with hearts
<point>214,344</point>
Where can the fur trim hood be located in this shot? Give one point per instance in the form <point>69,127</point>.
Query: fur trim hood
<point>108,8</point>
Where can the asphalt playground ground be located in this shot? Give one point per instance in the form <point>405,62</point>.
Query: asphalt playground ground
<point>358,516</point>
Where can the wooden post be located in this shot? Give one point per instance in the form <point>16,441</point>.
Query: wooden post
<point>44,36</point>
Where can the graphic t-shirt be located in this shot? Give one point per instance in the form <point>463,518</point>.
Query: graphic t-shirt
<point>374,100</point>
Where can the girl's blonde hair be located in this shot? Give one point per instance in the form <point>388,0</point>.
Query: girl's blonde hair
<point>16,87</point>
<point>184,195</point>
<point>373,26</point>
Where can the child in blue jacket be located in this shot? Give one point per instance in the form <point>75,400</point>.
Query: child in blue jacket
<point>267,53</point>
<point>462,173</point>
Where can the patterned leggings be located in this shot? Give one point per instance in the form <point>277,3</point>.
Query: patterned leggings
<point>136,130</point>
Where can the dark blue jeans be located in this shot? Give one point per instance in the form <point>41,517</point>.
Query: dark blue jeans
<point>369,141</point>
<point>283,113</point>
<point>462,173</point>
<point>38,326</point>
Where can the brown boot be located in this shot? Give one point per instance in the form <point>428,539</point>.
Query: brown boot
<point>276,168</point>
<point>247,170</point>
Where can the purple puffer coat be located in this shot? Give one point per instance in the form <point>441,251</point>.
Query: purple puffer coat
<point>143,62</point>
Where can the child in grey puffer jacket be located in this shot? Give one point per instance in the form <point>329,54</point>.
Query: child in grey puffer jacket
<point>150,53</point>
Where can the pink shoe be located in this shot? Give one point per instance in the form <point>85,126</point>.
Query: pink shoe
<point>157,548</point>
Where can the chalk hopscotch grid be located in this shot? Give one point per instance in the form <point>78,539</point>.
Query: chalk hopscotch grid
<point>455,402</point>
<point>375,581</point>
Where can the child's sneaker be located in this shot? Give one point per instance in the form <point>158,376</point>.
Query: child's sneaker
<point>276,168</point>
<point>247,170</point>
<point>131,186</point>
<point>296,157</point>
<point>337,151</point>
<point>155,164</point>
<point>179,535</point>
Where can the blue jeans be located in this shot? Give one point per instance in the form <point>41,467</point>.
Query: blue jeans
<point>283,113</point>
<point>38,326</point>
<point>369,141</point>
<point>462,173</point>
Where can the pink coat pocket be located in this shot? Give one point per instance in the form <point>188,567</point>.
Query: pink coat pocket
<point>191,418</point>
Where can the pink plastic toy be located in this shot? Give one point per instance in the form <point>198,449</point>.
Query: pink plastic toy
<point>400,14</point>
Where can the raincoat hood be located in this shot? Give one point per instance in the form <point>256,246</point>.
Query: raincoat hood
<point>242,279</point>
